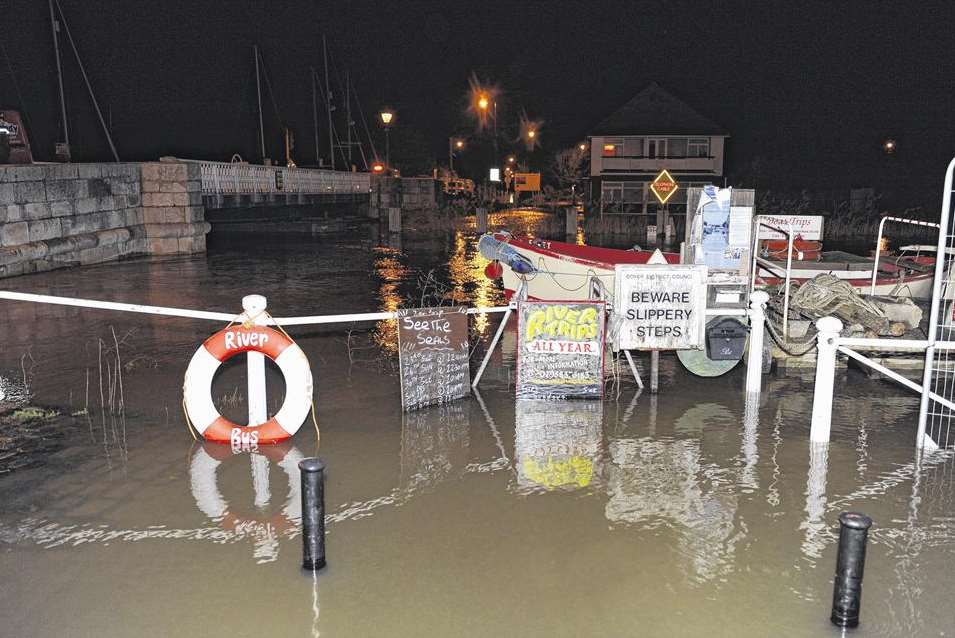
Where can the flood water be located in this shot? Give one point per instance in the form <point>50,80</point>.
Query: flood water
<point>680,514</point>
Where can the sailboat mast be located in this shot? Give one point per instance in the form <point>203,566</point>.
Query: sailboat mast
<point>328,107</point>
<point>315,113</point>
<point>258,92</point>
<point>55,25</point>
<point>86,80</point>
<point>348,121</point>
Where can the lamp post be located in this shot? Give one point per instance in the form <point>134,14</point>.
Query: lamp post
<point>387,115</point>
<point>454,144</point>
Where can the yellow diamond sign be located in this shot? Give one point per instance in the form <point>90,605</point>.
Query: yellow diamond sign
<point>663,186</point>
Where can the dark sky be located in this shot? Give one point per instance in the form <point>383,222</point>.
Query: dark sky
<point>812,88</point>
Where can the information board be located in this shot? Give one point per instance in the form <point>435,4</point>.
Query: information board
<point>806,226</point>
<point>659,307</point>
<point>433,355</point>
<point>560,349</point>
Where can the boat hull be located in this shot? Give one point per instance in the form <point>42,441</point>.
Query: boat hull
<point>565,273</point>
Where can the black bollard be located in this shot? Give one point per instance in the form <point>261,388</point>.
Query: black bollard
<point>313,513</point>
<point>850,563</point>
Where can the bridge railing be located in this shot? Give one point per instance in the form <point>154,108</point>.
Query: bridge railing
<point>233,178</point>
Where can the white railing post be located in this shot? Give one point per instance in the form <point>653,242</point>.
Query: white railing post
<point>757,323</point>
<point>827,344</point>
<point>254,308</point>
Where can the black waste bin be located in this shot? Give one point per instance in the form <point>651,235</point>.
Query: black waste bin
<point>725,339</point>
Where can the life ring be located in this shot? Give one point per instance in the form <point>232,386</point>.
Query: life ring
<point>197,387</point>
<point>203,480</point>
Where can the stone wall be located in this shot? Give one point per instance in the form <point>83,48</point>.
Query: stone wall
<point>406,193</point>
<point>60,215</point>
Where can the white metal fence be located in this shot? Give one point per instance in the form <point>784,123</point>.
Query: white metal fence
<point>238,178</point>
<point>937,406</point>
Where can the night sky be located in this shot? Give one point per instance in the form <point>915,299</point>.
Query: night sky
<point>807,90</point>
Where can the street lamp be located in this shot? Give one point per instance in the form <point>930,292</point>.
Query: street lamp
<point>454,144</point>
<point>889,146</point>
<point>582,147</point>
<point>511,159</point>
<point>387,115</point>
<point>531,134</point>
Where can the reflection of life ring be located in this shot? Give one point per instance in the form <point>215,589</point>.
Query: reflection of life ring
<point>197,388</point>
<point>205,489</point>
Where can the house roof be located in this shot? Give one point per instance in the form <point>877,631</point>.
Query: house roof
<point>656,111</point>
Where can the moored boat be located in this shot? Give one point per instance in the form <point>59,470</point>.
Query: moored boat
<point>564,271</point>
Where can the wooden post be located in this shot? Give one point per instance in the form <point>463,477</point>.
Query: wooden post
<point>654,371</point>
<point>570,221</point>
<point>481,215</point>
<point>394,219</point>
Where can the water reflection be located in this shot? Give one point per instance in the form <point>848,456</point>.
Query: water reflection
<point>468,283</point>
<point>434,445</point>
<point>656,482</point>
<point>391,273</point>
<point>557,445</point>
<point>264,527</point>
<point>814,526</point>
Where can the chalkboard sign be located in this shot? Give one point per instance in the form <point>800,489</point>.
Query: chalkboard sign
<point>433,356</point>
<point>560,349</point>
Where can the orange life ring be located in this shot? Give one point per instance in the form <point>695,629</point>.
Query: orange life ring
<point>197,387</point>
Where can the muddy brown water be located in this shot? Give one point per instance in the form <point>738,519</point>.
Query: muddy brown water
<point>681,514</point>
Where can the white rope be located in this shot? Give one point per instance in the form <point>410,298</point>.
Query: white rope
<point>213,316</point>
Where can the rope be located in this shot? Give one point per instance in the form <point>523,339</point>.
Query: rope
<point>785,346</point>
<point>188,421</point>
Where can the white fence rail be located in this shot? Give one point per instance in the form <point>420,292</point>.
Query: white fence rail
<point>238,178</point>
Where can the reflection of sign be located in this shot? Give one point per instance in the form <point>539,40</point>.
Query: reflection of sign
<point>660,307</point>
<point>527,182</point>
<point>433,355</point>
<point>557,445</point>
<point>434,444</point>
<point>663,186</point>
<point>560,349</point>
<point>806,226</point>
<point>279,180</point>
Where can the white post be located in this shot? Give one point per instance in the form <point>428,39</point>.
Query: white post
<point>757,324</point>
<point>254,307</point>
<point>827,344</point>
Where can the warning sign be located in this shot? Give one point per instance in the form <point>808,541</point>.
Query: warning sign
<point>663,186</point>
<point>660,307</point>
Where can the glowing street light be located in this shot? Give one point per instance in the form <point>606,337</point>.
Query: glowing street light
<point>582,147</point>
<point>387,116</point>
<point>454,144</point>
<point>531,133</point>
<point>483,102</point>
<point>889,146</point>
<point>511,159</point>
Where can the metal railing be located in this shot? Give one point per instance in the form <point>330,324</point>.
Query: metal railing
<point>768,266</point>
<point>878,242</point>
<point>239,178</point>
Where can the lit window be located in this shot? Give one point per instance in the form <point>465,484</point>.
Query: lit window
<point>610,150</point>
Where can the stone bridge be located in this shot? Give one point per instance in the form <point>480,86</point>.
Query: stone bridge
<point>60,215</point>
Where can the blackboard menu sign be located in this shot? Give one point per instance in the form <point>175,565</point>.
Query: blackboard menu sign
<point>433,355</point>
<point>560,349</point>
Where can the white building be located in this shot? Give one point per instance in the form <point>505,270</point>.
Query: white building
<point>653,131</point>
